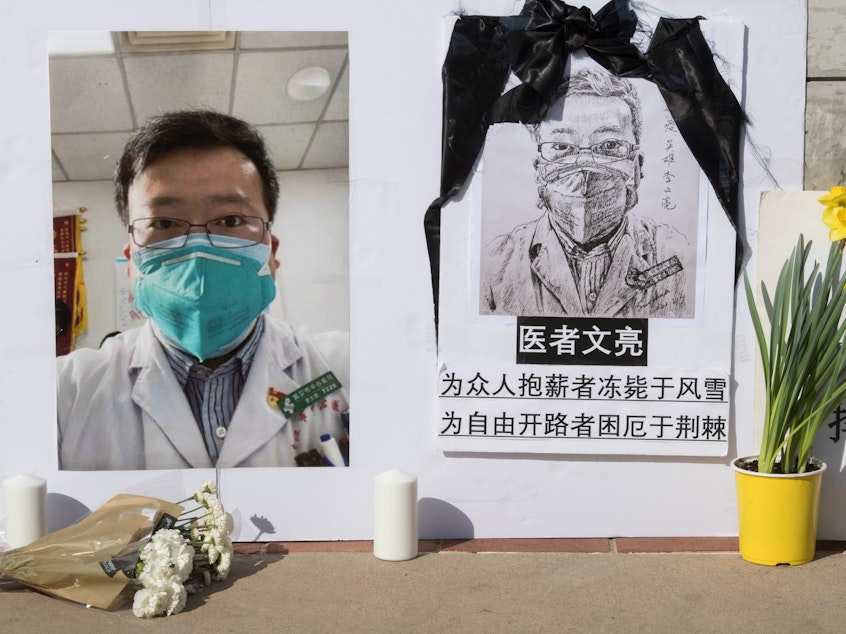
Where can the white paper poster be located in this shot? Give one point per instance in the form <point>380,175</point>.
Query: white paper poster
<point>596,222</point>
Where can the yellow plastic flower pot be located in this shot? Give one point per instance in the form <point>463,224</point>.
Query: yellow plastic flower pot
<point>777,514</point>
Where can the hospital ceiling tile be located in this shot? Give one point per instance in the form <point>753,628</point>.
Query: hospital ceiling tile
<point>330,147</point>
<point>161,83</point>
<point>89,156</point>
<point>339,106</point>
<point>292,39</point>
<point>87,95</point>
<point>58,173</point>
<point>287,143</point>
<point>260,88</point>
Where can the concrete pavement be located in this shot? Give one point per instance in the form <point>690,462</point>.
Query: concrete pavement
<point>455,591</point>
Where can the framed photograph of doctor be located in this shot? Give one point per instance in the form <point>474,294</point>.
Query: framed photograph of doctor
<point>214,259</point>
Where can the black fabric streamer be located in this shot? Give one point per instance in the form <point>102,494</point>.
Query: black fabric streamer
<point>705,110</point>
<point>535,46</point>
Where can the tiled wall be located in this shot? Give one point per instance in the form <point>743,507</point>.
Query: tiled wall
<point>825,110</point>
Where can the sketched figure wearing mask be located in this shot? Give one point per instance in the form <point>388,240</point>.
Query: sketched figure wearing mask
<point>587,255</point>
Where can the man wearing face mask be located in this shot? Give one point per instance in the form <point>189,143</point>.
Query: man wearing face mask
<point>210,380</point>
<point>587,255</point>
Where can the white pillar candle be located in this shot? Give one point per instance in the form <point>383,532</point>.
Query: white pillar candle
<point>395,516</point>
<point>24,504</point>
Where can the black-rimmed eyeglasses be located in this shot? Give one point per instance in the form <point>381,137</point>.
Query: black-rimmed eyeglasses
<point>150,232</point>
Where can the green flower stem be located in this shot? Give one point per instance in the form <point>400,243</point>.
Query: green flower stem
<point>185,514</point>
<point>804,360</point>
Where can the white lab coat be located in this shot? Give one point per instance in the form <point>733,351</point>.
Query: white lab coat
<point>121,407</point>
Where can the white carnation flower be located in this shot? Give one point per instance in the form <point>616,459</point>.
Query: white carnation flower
<point>147,603</point>
<point>216,507</point>
<point>226,524</point>
<point>212,552</point>
<point>176,599</point>
<point>154,573</point>
<point>145,577</point>
<point>224,558</point>
<point>222,541</point>
<point>166,554</point>
<point>223,565</point>
<point>184,561</point>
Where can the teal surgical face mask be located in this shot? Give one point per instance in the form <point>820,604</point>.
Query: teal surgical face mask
<point>204,299</point>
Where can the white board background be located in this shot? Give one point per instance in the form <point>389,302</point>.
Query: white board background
<point>396,52</point>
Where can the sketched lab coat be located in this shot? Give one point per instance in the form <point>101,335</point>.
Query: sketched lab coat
<point>526,273</point>
<point>121,407</point>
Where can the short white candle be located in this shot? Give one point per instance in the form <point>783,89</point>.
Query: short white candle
<point>24,503</point>
<point>395,516</point>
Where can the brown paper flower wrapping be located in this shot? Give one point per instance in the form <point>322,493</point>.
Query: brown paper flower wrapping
<point>67,563</point>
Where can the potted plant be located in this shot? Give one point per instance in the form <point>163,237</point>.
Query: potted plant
<point>803,354</point>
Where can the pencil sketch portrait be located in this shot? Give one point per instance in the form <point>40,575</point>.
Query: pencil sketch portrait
<point>591,249</point>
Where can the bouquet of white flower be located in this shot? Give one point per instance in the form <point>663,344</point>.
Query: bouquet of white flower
<point>131,545</point>
<point>166,563</point>
<point>169,567</point>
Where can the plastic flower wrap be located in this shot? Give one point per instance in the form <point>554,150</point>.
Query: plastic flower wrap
<point>93,561</point>
<point>132,544</point>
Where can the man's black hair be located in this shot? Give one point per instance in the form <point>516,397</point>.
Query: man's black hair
<point>192,129</point>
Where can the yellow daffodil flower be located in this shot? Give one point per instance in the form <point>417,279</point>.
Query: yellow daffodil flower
<point>834,214</point>
<point>836,197</point>
<point>834,217</point>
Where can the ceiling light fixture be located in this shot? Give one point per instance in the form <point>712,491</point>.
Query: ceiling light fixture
<point>308,84</point>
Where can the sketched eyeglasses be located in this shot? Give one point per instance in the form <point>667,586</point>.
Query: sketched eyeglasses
<point>603,152</point>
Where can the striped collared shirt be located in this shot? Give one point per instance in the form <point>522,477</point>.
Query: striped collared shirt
<point>214,394</point>
<point>589,267</point>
